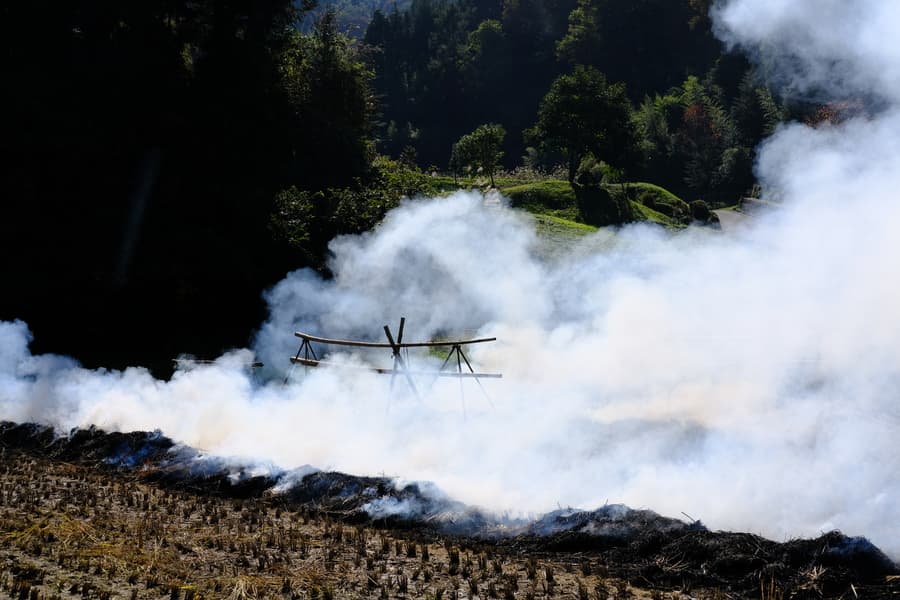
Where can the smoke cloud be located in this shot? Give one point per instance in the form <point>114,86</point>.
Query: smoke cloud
<point>827,47</point>
<point>750,380</point>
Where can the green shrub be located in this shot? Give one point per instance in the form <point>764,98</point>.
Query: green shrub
<point>293,221</point>
<point>665,208</point>
<point>596,206</point>
<point>545,197</point>
<point>645,213</point>
<point>397,180</point>
<point>657,198</point>
<point>590,171</point>
<point>306,220</point>
<point>700,211</point>
<point>647,198</point>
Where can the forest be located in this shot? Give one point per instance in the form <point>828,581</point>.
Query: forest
<point>165,162</point>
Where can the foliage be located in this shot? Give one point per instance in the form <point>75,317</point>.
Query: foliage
<point>700,137</point>
<point>700,210</point>
<point>596,206</point>
<point>658,194</point>
<point>169,130</point>
<point>657,119</point>
<point>590,170</point>
<point>658,200</point>
<point>556,199</point>
<point>676,211</point>
<point>327,85</point>
<point>647,44</point>
<point>306,221</point>
<point>158,146</point>
<point>558,227</point>
<point>294,219</point>
<point>353,16</point>
<point>645,213</point>
<point>551,197</point>
<point>445,66</point>
<point>419,59</point>
<point>581,114</point>
<point>480,149</point>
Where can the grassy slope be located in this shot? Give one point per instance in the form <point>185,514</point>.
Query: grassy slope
<point>555,198</point>
<point>637,187</point>
<point>552,202</point>
<point>653,216</point>
<point>551,197</point>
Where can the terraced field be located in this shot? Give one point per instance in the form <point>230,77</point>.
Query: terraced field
<point>109,515</point>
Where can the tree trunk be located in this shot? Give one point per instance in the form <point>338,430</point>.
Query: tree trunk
<point>573,166</point>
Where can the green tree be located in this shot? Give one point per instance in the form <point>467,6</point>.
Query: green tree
<point>583,39</point>
<point>582,113</point>
<point>481,148</point>
<point>328,87</point>
<point>456,163</point>
<point>648,44</point>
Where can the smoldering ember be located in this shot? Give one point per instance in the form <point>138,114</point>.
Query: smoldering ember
<point>451,298</point>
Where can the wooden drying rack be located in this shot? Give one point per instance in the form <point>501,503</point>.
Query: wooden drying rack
<point>306,356</point>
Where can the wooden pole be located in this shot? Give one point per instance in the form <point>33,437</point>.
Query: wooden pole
<point>462,391</point>
<point>294,363</point>
<point>394,372</point>
<point>400,362</point>
<point>478,381</point>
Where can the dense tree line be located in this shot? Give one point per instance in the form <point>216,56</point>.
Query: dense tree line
<point>166,161</point>
<point>445,67</point>
<point>144,146</point>
<point>658,96</point>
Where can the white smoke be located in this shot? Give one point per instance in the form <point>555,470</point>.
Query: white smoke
<point>748,380</point>
<point>829,47</point>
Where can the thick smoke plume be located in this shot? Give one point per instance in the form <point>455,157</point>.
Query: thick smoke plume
<point>751,380</point>
<point>824,47</point>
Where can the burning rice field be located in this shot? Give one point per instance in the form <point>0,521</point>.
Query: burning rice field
<point>111,515</point>
<point>748,378</point>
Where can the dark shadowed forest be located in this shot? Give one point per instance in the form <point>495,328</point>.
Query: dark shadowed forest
<point>165,162</point>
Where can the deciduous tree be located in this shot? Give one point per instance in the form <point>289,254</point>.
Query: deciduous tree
<point>481,148</point>
<point>584,113</point>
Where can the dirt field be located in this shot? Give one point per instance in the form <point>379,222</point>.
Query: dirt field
<point>71,531</point>
<point>77,520</point>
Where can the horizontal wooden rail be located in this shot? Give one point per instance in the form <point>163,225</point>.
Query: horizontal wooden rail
<point>198,361</point>
<point>316,363</point>
<point>332,342</point>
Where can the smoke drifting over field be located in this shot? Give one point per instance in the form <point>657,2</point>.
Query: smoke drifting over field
<point>824,47</point>
<point>749,380</point>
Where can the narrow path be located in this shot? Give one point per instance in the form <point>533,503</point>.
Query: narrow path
<point>731,220</point>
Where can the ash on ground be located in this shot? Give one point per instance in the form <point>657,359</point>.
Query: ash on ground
<point>639,545</point>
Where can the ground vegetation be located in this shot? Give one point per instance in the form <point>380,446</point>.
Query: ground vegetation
<point>98,515</point>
